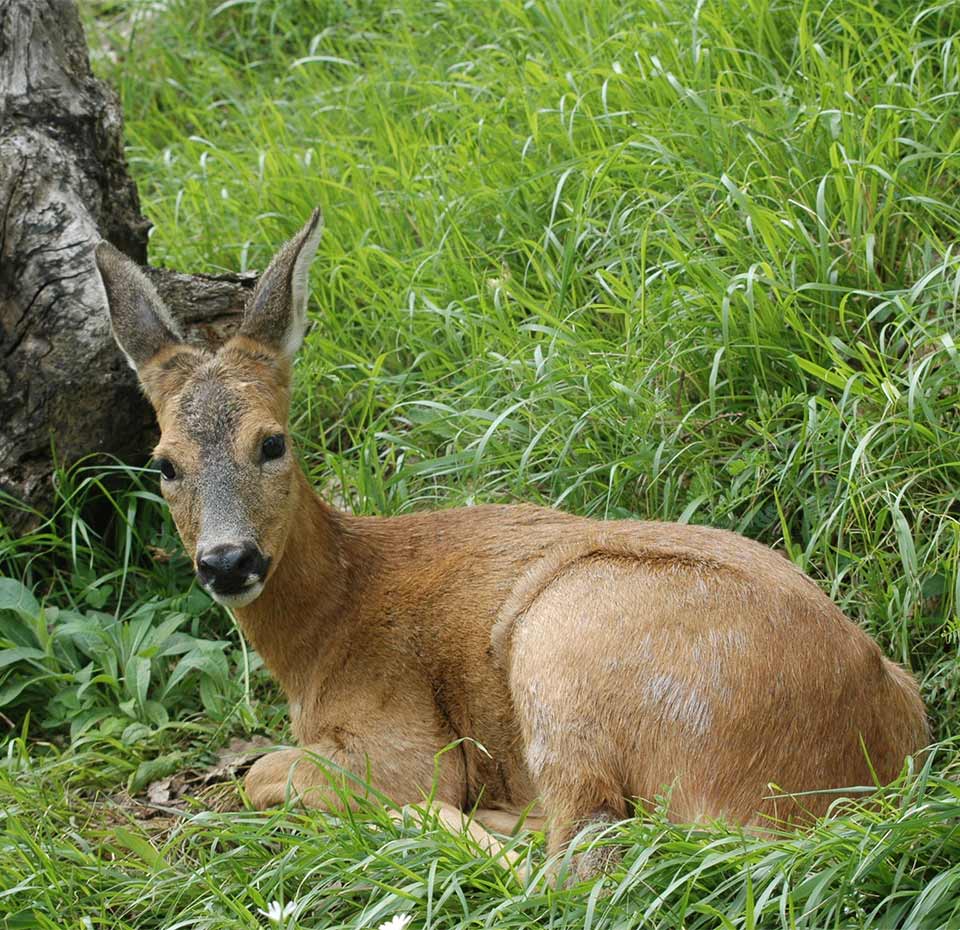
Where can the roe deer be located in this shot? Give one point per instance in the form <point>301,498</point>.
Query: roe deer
<point>596,662</point>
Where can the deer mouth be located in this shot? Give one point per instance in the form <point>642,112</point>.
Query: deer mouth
<point>247,595</point>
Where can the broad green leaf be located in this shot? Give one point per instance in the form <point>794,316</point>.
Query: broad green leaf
<point>137,678</point>
<point>20,654</point>
<point>15,596</point>
<point>203,659</point>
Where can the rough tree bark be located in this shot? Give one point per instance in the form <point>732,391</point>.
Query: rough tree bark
<point>64,387</point>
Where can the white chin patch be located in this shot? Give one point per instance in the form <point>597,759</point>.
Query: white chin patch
<point>241,599</point>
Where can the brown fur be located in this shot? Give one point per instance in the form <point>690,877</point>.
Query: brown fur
<point>582,664</point>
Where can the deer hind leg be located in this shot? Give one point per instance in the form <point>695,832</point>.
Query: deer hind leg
<point>563,653</point>
<point>584,806</point>
<point>579,784</point>
<point>573,758</point>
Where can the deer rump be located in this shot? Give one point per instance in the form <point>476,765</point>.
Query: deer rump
<point>656,659</point>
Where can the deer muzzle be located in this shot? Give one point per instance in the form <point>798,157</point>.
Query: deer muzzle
<point>232,573</point>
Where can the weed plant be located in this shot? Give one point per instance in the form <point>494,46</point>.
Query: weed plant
<point>691,261</point>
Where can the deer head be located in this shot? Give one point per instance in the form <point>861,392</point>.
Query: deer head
<point>227,467</point>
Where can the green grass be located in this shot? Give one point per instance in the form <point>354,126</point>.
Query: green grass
<point>688,261</point>
<point>893,867</point>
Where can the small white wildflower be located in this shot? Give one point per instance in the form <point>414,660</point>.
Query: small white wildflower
<point>276,912</point>
<point>400,922</point>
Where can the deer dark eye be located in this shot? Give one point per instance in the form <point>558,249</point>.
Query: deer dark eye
<point>273,447</point>
<point>167,471</point>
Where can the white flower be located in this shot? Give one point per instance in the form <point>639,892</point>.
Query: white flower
<point>400,922</point>
<point>276,912</point>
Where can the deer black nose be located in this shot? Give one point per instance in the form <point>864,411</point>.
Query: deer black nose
<point>231,568</point>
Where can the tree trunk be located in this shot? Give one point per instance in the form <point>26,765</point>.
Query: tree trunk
<point>65,389</point>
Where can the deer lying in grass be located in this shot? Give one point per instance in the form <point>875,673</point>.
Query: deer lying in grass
<point>596,662</point>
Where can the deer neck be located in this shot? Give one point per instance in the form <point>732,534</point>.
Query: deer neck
<point>304,601</point>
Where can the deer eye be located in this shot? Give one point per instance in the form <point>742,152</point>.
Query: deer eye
<point>167,470</point>
<point>273,447</point>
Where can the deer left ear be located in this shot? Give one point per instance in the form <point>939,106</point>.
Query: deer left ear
<point>276,314</point>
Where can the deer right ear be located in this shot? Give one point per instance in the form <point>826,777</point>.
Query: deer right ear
<point>142,325</point>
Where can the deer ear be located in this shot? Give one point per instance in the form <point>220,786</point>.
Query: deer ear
<point>142,325</point>
<point>276,313</point>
